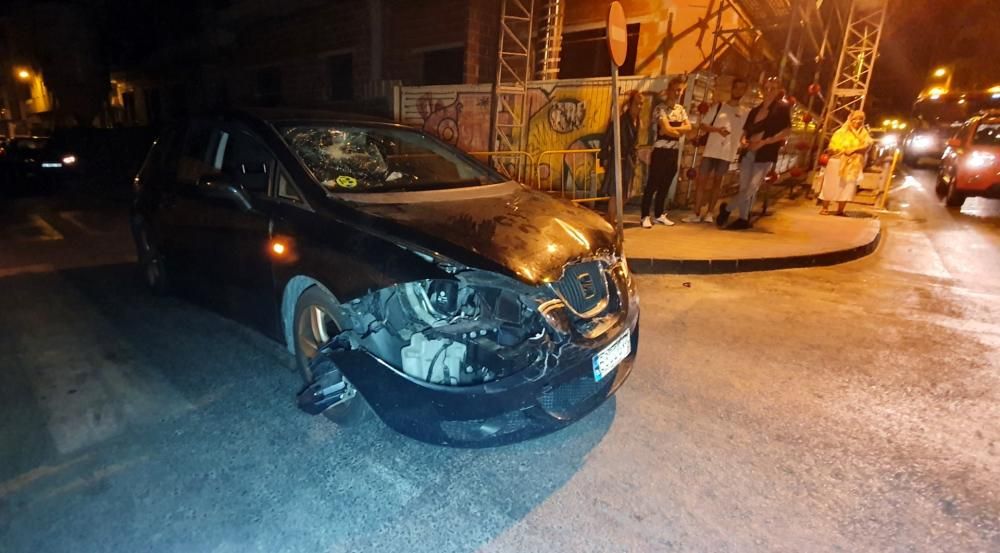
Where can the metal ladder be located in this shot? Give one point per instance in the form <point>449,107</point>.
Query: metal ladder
<point>509,120</point>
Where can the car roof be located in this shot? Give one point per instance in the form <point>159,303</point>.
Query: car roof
<point>287,114</point>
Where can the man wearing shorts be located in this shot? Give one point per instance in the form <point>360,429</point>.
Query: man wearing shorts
<point>724,125</point>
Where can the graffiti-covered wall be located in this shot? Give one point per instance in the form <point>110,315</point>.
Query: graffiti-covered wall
<point>570,115</point>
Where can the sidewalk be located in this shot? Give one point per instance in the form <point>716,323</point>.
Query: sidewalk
<point>793,234</point>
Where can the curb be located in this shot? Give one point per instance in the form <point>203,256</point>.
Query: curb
<point>651,266</point>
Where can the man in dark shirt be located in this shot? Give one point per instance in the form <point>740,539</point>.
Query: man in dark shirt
<point>767,126</point>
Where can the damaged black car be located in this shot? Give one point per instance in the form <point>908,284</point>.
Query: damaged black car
<point>404,276</point>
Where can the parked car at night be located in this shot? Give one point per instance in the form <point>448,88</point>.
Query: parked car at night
<point>35,158</point>
<point>464,308</point>
<point>971,163</point>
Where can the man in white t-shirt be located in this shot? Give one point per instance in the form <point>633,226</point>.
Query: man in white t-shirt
<point>723,123</point>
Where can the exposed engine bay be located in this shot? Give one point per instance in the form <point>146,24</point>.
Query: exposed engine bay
<point>480,326</point>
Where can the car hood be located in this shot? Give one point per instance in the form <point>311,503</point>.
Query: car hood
<point>528,233</point>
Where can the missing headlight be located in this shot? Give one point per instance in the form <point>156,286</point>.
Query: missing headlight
<point>450,332</point>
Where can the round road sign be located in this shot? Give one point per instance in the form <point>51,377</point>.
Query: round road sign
<point>617,34</point>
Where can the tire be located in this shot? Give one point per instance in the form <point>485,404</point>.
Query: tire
<point>941,187</point>
<point>316,319</point>
<point>154,270</point>
<point>954,198</point>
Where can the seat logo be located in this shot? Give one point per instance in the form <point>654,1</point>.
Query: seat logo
<point>586,282</point>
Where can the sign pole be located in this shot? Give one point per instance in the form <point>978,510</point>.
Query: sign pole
<point>616,150</point>
<point>617,49</point>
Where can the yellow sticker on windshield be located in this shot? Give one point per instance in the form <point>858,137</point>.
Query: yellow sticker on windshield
<point>346,181</point>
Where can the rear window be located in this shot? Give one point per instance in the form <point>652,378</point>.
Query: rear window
<point>29,143</point>
<point>987,133</point>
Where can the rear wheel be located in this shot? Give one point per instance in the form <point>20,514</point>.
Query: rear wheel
<point>150,260</point>
<point>316,320</point>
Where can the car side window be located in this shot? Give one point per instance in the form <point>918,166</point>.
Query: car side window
<point>246,160</point>
<point>193,160</point>
<point>286,189</point>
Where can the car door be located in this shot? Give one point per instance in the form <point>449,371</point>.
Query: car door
<point>186,160</point>
<point>230,240</point>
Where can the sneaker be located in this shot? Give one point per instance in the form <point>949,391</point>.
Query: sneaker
<point>739,224</point>
<point>720,221</point>
<point>662,219</point>
<point>647,223</point>
<point>693,218</point>
<point>707,218</point>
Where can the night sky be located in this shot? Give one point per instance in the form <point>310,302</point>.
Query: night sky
<point>922,34</point>
<point>919,35</point>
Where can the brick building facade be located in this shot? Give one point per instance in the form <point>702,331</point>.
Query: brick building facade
<point>335,53</point>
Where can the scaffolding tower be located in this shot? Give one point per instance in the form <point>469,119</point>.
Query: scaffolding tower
<point>859,49</point>
<point>509,118</point>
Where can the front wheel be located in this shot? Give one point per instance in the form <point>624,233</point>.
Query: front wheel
<point>941,187</point>
<point>954,198</point>
<point>316,320</point>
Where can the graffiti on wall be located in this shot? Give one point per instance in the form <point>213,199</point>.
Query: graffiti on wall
<point>562,115</point>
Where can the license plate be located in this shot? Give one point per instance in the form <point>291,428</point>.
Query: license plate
<point>608,359</point>
<point>47,165</point>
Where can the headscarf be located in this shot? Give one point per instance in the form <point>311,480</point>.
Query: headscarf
<point>847,139</point>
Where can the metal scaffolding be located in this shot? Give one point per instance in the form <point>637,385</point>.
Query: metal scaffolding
<point>509,119</point>
<point>859,49</point>
<point>550,39</point>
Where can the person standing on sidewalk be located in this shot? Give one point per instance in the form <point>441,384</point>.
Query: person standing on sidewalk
<point>724,130</point>
<point>765,131</point>
<point>629,120</point>
<point>670,122</point>
<point>845,170</point>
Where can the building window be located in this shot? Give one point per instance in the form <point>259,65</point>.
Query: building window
<point>269,86</point>
<point>445,66</point>
<point>340,72</point>
<point>585,54</point>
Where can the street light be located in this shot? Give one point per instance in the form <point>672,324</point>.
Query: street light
<point>940,72</point>
<point>23,74</point>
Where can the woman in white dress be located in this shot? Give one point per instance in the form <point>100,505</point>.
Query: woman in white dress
<point>845,168</point>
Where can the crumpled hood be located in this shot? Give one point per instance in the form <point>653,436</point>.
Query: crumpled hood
<point>527,232</point>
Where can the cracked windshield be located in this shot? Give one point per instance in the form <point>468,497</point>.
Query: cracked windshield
<point>359,159</point>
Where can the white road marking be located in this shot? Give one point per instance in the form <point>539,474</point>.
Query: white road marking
<point>34,229</point>
<point>96,389</point>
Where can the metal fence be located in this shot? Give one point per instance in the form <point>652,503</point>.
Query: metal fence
<point>574,174</point>
<point>516,165</point>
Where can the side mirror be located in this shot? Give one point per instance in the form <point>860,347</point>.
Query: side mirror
<point>954,143</point>
<point>221,187</point>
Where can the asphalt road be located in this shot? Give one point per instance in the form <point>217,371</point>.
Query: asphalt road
<point>850,408</point>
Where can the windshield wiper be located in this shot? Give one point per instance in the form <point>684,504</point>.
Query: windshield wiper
<point>432,185</point>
